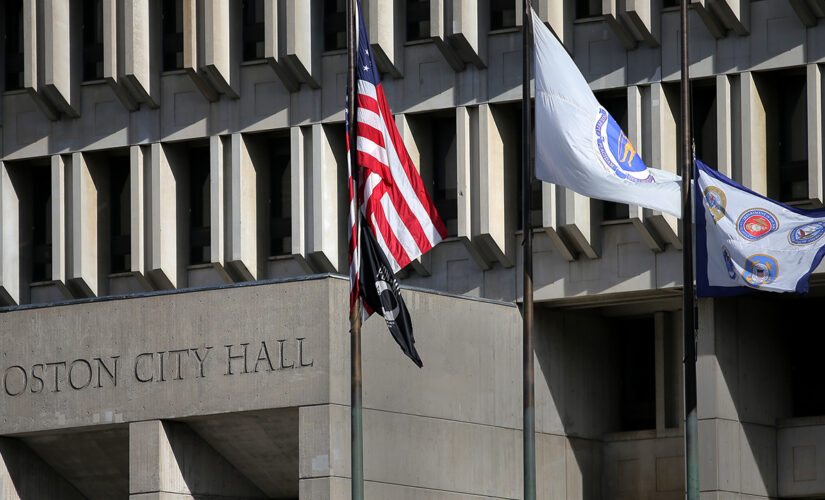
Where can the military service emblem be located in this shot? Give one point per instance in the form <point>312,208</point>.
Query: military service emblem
<point>715,201</point>
<point>760,270</point>
<point>756,223</point>
<point>806,233</point>
<point>728,263</point>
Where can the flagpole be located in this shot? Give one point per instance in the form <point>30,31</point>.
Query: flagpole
<point>688,293</point>
<point>357,429</point>
<point>528,391</point>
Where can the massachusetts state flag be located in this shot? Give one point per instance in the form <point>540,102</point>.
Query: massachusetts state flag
<point>745,241</point>
<point>580,146</point>
<point>398,218</point>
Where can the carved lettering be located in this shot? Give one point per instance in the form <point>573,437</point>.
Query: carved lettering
<point>281,349</point>
<point>6,380</point>
<point>201,359</point>
<point>230,358</point>
<point>263,355</point>
<point>37,378</point>
<point>162,371</point>
<point>301,353</point>
<point>88,374</point>
<point>57,374</point>
<point>138,372</point>
<point>111,373</point>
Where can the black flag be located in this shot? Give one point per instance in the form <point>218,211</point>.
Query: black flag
<point>381,293</point>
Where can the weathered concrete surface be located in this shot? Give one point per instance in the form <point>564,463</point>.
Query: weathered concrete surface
<point>24,475</point>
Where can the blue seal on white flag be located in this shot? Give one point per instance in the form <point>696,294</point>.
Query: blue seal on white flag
<point>615,152</point>
<point>806,233</point>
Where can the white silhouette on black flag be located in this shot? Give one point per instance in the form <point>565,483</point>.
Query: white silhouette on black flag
<point>381,293</point>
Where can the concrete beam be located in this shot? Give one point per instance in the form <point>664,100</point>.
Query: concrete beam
<point>10,279</point>
<point>62,55</point>
<point>163,259</point>
<point>643,19</point>
<point>32,41</point>
<point>83,274</point>
<point>273,14</point>
<point>141,58</point>
<point>734,15</point>
<point>753,119</point>
<point>440,29</point>
<point>612,15</point>
<point>386,38</point>
<point>222,45</point>
<point>816,179</point>
<point>24,475</point>
<point>709,18</point>
<point>471,20</point>
<point>112,49</point>
<point>243,207</point>
<point>169,459</point>
<point>304,40</point>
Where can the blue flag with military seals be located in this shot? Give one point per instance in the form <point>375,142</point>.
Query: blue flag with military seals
<point>745,241</point>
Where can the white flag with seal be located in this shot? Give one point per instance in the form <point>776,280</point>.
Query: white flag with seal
<point>745,241</point>
<point>580,146</point>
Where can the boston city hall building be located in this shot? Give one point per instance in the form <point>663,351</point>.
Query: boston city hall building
<point>172,243</point>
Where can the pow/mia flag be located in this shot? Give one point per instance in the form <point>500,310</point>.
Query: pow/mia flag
<point>381,293</point>
<point>745,241</point>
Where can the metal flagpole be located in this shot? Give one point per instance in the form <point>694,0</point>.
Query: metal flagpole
<point>688,293</point>
<point>528,400</point>
<point>357,431</point>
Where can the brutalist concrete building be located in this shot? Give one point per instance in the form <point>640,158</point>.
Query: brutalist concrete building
<point>172,226</point>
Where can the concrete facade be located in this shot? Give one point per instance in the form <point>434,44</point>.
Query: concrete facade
<point>172,172</point>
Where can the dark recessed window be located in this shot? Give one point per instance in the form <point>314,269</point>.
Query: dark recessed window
<point>254,30</point>
<point>335,24</point>
<point>703,101</point>
<point>418,20</point>
<point>280,197</point>
<point>13,23</point>
<point>638,373</point>
<point>502,14</point>
<point>119,217</point>
<point>792,137</point>
<point>41,221</point>
<point>92,40</point>
<point>670,3</point>
<point>445,192</point>
<point>199,202</point>
<point>172,34</point>
<point>588,8</point>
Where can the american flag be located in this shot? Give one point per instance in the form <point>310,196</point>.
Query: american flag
<point>393,199</point>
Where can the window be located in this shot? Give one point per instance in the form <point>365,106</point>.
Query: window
<point>13,21</point>
<point>199,203</point>
<point>92,40</point>
<point>41,223</point>
<point>172,34</point>
<point>588,8</point>
<point>637,363</point>
<point>670,3</point>
<point>502,14</point>
<point>445,182</point>
<point>703,99</point>
<point>254,30</point>
<point>120,215</point>
<point>615,102</point>
<point>418,20</point>
<point>335,24</point>
<point>280,197</point>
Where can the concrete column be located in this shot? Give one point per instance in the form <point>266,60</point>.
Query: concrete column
<point>10,279</point>
<point>724,126</point>
<point>613,15</point>
<point>243,207</point>
<point>423,264</point>
<point>324,467</point>
<point>304,40</point>
<point>62,55</point>
<point>559,14</point>
<point>325,169</point>
<point>466,131</point>
<point>550,223</point>
<point>112,50</point>
<point>194,40</point>
<point>59,218</point>
<point>222,50</point>
<point>83,262</point>
<point>140,167</point>
<point>440,29</point>
<point>496,184</point>
<point>469,33</point>
<point>167,460</point>
<point>141,57</point>
<point>221,156</point>
<point>754,152</point>
<point>163,258</point>
<point>578,222</point>
<point>300,152</point>
<point>24,475</point>
<point>642,18</point>
<point>273,48</point>
<point>385,23</point>
<point>816,180</point>
<point>635,132</point>
<point>661,151</point>
<point>31,76</point>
